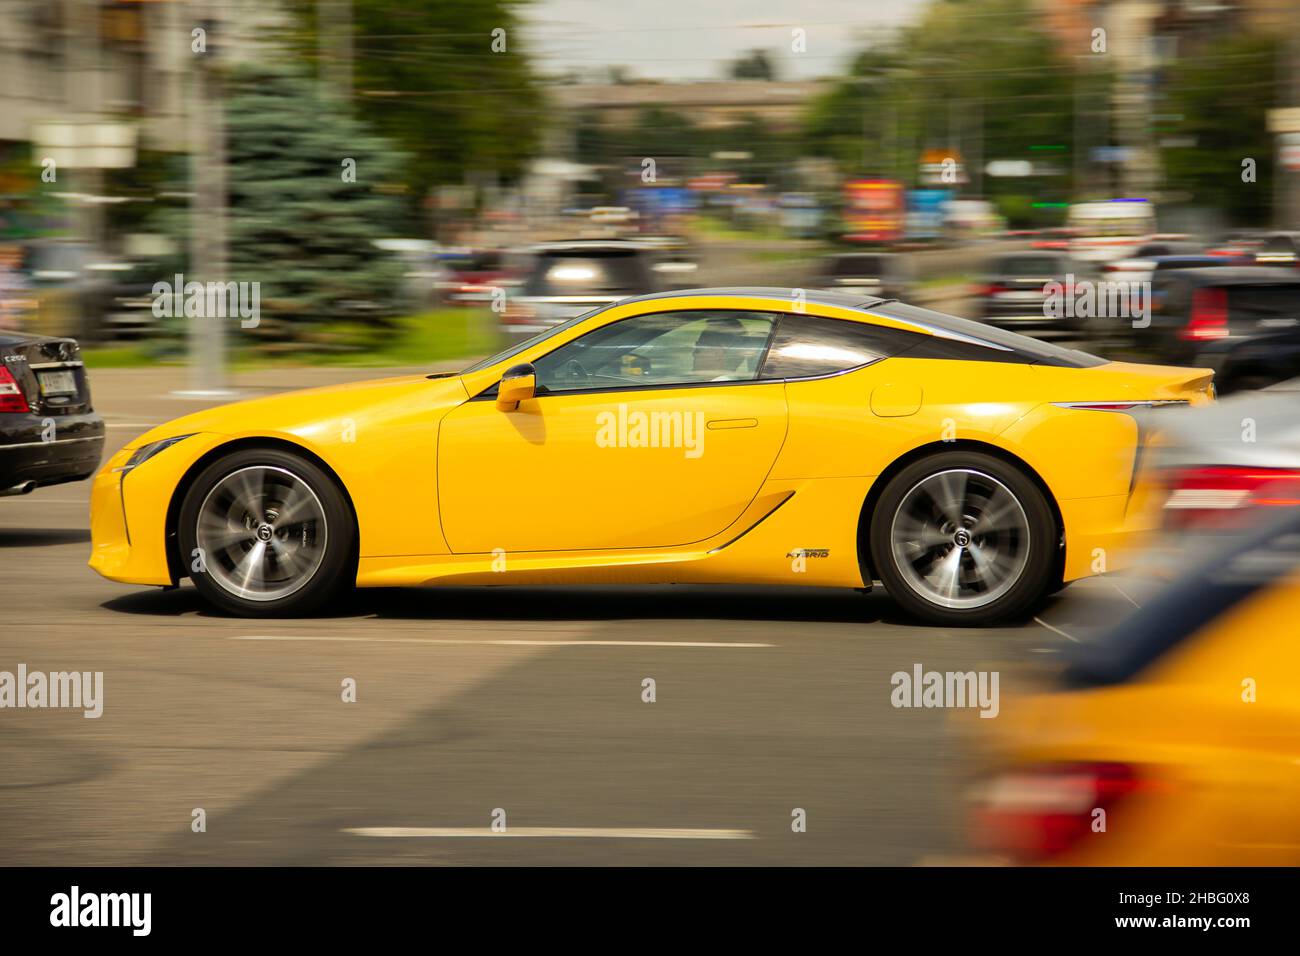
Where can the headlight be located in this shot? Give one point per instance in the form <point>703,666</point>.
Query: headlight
<point>145,452</point>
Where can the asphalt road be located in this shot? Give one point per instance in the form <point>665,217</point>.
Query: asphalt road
<point>527,701</point>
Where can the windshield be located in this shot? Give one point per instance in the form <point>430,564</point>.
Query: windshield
<point>1029,266</point>
<point>588,273</point>
<point>1237,573</point>
<point>848,267</point>
<point>529,343</point>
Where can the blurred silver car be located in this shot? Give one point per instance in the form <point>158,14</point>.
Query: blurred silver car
<point>1225,465</point>
<point>566,279</point>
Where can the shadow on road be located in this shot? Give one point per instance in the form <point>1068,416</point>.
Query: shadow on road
<point>604,603</point>
<point>38,537</point>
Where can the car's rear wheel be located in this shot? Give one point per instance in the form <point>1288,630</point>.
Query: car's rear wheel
<point>266,533</point>
<point>963,538</point>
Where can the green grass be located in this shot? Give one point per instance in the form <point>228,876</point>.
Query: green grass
<point>121,356</point>
<point>716,228</point>
<point>438,336</point>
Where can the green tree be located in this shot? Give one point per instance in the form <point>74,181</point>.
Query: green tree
<point>1223,100</point>
<point>298,224</point>
<point>974,75</point>
<point>449,81</point>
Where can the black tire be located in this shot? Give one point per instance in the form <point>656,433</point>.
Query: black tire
<point>1021,588</point>
<point>325,542</point>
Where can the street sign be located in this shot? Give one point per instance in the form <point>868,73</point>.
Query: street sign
<point>1284,120</point>
<point>85,145</point>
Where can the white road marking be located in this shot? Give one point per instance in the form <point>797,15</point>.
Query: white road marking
<point>568,833</point>
<point>26,499</point>
<point>1126,595</point>
<point>503,642</point>
<point>1057,630</point>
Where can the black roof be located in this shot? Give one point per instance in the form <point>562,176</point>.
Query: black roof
<point>840,299</point>
<point>1234,275</point>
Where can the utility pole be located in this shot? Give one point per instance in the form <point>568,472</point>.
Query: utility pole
<point>206,334</point>
<point>1288,215</point>
<point>334,45</point>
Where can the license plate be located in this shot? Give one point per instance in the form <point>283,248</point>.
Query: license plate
<point>57,383</point>
<point>1017,296</point>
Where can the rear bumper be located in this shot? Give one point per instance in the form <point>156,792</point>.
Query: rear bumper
<point>72,453</point>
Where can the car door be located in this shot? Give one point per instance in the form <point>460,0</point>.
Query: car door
<point>649,432</point>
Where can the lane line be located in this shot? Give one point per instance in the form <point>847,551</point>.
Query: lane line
<point>566,833</point>
<point>1057,630</point>
<point>502,642</point>
<point>28,500</point>
<point>1126,595</point>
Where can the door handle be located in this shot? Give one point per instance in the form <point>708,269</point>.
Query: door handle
<point>718,423</point>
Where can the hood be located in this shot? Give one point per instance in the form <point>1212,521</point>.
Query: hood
<point>304,411</point>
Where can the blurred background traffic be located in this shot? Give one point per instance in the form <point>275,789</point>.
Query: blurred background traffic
<point>417,183</point>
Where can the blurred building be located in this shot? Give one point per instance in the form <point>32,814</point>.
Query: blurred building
<point>87,83</point>
<point>709,104</point>
<point>83,61</point>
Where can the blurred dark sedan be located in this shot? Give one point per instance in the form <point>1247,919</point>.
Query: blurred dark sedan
<point>49,432</point>
<point>871,273</point>
<point>1281,249</point>
<point>1013,293</point>
<point>566,279</point>
<point>1243,322</point>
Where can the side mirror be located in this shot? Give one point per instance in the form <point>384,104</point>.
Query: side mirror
<point>517,384</point>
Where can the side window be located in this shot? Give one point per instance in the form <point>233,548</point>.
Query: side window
<point>808,345</point>
<point>663,348</point>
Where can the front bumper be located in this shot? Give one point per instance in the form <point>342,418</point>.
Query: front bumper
<point>128,512</point>
<point>72,453</point>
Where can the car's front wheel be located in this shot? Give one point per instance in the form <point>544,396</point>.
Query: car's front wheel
<point>963,538</point>
<point>266,533</point>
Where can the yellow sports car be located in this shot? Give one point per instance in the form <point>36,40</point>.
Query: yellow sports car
<point>1174,740</point>
<point>754,436</point>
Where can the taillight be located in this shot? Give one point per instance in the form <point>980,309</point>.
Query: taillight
<point>1209,316</point>
<point>1223,497</point>
<point>12,398</point>
<point>994,289</point>
<point>1040,812</point>
<point>516,314</point>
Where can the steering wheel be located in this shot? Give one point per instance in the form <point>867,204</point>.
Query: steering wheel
<point>574,371</point>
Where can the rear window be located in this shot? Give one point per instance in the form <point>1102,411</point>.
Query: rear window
<point>1242,568</point>
<point>1262,302</point>
<point>474,261</point>
<point>1021,347</point>
<point>1029,266</point>
<point>849,267</point>
<point>588,273</point>
<point>806,346</point>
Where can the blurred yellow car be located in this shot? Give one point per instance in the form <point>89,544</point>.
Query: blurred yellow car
<point>1176,739</point>
<point>750,436</point>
